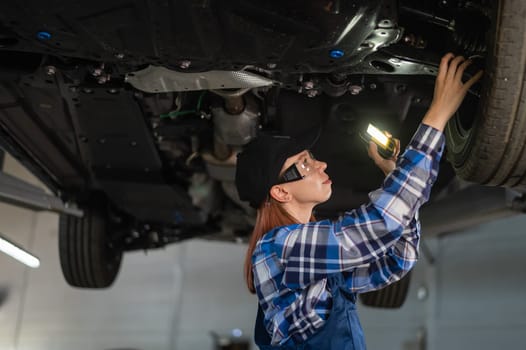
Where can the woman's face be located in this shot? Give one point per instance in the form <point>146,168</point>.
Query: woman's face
<point>315,185</point>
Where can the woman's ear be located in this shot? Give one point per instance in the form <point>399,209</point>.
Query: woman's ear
<point>280,193</point>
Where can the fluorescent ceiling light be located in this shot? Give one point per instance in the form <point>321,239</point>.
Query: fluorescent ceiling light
<point>18,253</point>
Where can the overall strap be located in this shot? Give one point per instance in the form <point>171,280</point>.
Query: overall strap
<point>261,335</point>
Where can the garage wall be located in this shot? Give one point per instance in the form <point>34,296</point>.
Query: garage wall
<point>472,297</point>
<point>482,287</point>
<point>165,299</point>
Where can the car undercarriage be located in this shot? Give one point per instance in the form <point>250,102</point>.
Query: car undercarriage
<point>135,110</point>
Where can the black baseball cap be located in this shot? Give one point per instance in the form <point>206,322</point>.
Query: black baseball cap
<point>260,162</point>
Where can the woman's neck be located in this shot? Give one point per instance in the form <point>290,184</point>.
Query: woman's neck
<point>302,213</point>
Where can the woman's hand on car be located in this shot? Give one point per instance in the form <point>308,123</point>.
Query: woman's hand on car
<point>449,90</point>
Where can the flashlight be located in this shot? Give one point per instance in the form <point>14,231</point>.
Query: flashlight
<point>386,145</point>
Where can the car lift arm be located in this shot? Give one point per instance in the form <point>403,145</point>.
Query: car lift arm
<point>26,195</point>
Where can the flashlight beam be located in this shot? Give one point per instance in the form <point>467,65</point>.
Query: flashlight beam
<point>377,135</point>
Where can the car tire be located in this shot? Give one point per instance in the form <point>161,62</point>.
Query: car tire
<point>391,297</point>
<point>87,257</point>
<point>491,148</point>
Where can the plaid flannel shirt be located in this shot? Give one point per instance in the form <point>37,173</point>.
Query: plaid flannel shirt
<point>372,246</point>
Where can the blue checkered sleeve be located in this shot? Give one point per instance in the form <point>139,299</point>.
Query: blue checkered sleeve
<point>390,267</point>
<point>371,233</point>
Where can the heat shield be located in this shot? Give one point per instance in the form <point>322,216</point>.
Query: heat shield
<point>160,79</point>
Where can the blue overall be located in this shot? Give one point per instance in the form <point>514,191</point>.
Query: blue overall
<point>342,330</point>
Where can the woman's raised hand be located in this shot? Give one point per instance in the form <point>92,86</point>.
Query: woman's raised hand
<point>449,90</point>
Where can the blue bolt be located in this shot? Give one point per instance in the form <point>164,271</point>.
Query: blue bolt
<point>42,35</point>
<point>337,53</point>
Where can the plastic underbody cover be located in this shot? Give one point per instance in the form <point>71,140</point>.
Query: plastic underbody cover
<point>159,79</point>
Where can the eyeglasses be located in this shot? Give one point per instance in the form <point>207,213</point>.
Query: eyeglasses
<point>299,169</point>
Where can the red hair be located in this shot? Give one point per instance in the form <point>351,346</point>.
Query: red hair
<point>270,214</point>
